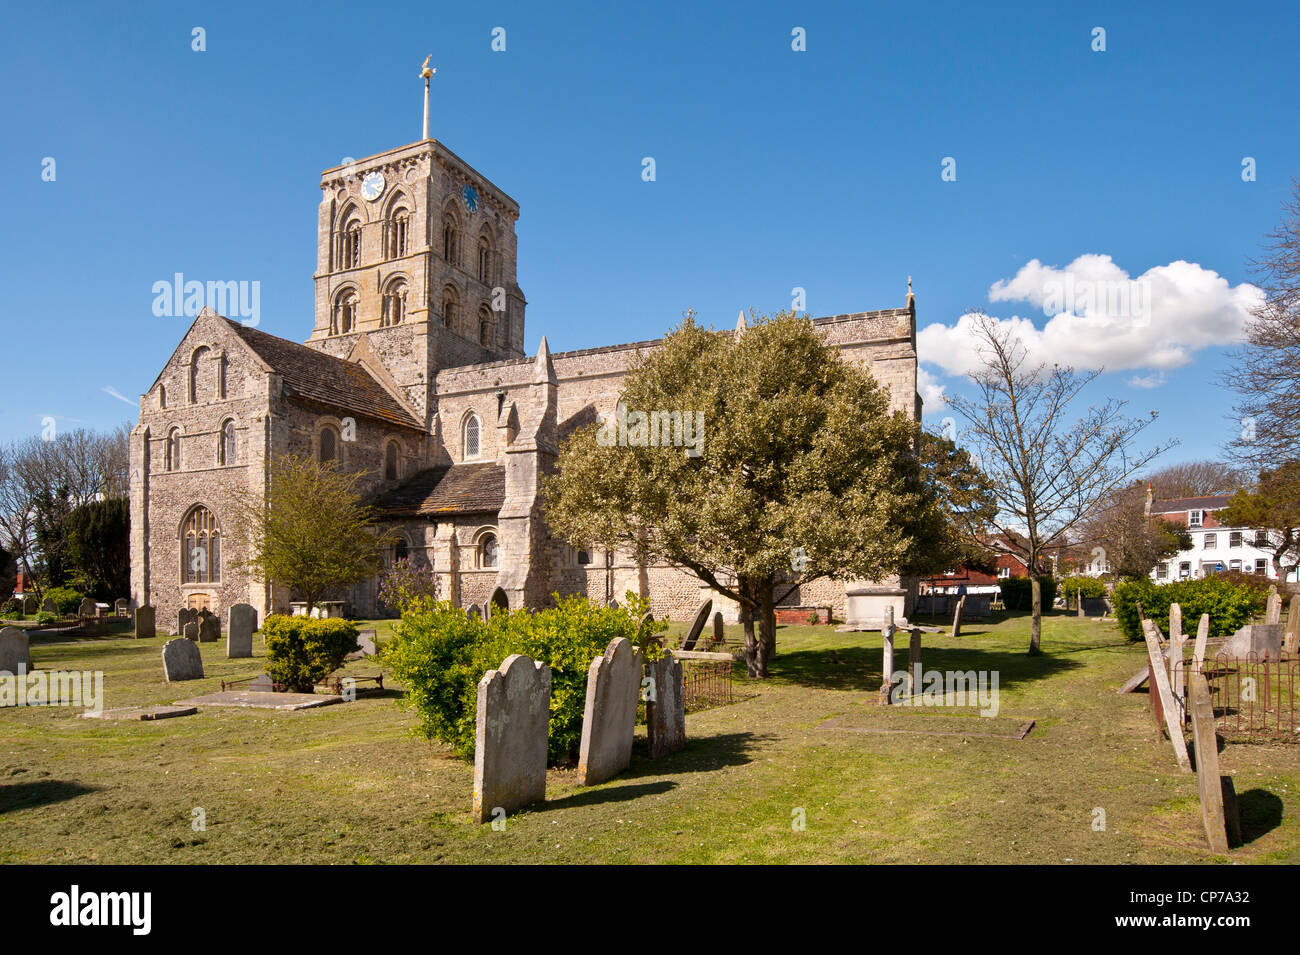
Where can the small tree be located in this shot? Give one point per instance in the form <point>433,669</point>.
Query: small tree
<point>1131,543</point>
<point>1273,507</point>
<point>794,470</point>
<point>1047,473</point>
<point>311,532</point>
<point>98,545</point>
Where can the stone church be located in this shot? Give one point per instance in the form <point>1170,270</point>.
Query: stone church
<point>414,375</point>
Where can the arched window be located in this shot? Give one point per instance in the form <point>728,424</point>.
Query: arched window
<point>450,304</point>
<point>174,449</point>
<point>484,259</point>
<point>398,232</point>
<point>329,445</point>
<point>401,550</point>
<point>200,547</point>
<point>347,240</point>
<point>344,317</point>
<point>471,437</point>
<point>487,551</point>
<point>390,461</point>
<point>197,361</point>
<point>484,327</point>
<point>394,310</point>
<point>162,396</point>
<point>450,239</point>
<point>221,375</point>
<point>226,443</point>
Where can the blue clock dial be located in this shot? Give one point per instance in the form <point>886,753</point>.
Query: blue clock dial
<point>372,187</point>
<point>470,195</point>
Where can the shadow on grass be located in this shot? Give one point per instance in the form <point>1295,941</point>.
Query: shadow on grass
<point>698,755</point>
<point>1261,813</point>
<point>29,795</point>
<point>594,797</point>
<point>859,668</point>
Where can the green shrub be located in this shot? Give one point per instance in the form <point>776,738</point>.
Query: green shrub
<point>1082,585</point>
<point>301,651</point>
<point>10,610</point>
<point>44,617</point>
<point>1229,605</point>
<point>66,600</point>
<point>1017,595</point>
<point>440,653</point>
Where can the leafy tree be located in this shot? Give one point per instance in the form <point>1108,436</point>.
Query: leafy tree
<point>301,651</point>
<point>1132,543</point>
<point>51,531</point>
<point>99,543</point>
<point>1048,474</point>
<point>1274,507</point>
<point>801,472</point>
<point>311,532</point>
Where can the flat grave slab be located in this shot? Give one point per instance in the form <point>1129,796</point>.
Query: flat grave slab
<point>995,727</point>
<point>262,700</point>
<point>141,713</point>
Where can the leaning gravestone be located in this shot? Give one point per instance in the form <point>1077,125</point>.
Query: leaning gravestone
<point>185,615</point>
<point>514,708</point>
<point>47,606</point>
<point>144,622</point>
<point>192,631</point>
<point>1208,780</point>
<point>209,628</point>
<point>697,625</point>
<point>1202,636</point>
<point>15,650</point>
<point>87,609</point>
<point>609,717</point>
<point>1292,641</point>
<point>1264,640</point>
<point>181,659</point>
<point>240,625</point>
<point>665,706</point>
<point>1164,694</point>
<point>956,617</point>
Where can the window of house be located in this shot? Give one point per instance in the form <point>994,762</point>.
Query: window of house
<point>1185,569</point>
<point>471,437</point>
<point>1234,539</point>
<point>226,443</point>
<point>1162,571</point>
<point>390,461</point>
<point>1261,538</point>
<point>200,547</point>
<point>1211,540</point>
<point>1261,566</point>
<point>1234,565</point>
<point>1004,572</point>
<point>1194,518</point>
<point>329,445</point>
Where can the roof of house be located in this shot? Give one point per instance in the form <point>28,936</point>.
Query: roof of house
<point>1211,503</point>
<point>452,489</point>
<point>319,377</point>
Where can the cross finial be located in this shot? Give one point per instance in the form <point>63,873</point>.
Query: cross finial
<point>910,297</point>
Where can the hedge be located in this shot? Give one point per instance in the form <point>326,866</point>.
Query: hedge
<point>1017,594</point>
<point>1230,606</point>
<point>302,651</point>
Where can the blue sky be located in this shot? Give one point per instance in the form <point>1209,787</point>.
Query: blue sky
<point>775,169</point>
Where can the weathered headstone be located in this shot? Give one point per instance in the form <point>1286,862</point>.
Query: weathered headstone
<point>185,615</point>
<point>609,716</point>
<point>192,631</point>
<point>366,646</point>
<point>719,634</point>
<point>473,611</point>
<point>956,617</point>
<point>913,661</point>
<point>1198,649</point>
<point>15,650</point>
<point>241,622</point>
<point>1292,640</point>
<point>29,604</point>
<point>1177,663</point>
<point>1160,685</point>
<point>1208,779</point>
<point>1175,620</point>
<point>181,659</point>
<point>1264,640</point>
<point>47,606</point>
<point>887,656</point>
<point>665,706</point>
<point>209,628</point>
<point>87,609</point>
<point>514,708</point>
<point>697,625</point>
<point>1273,609</point>
<point>144,622</point>
<point>121,607</point>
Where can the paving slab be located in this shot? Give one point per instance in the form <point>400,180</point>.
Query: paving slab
<point>261,700</point>
<point>141,713</point>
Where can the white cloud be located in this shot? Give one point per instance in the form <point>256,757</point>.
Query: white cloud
<point>930,389</point>
<point>1148,381</point>
<point>1100,316</point>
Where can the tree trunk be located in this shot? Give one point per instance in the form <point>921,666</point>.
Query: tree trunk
<point>1036,624</point>
<point>767,629</point>
<point>751,643</point>
<point>755,650</point>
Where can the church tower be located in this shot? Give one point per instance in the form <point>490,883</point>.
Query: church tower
<point>416,257</point>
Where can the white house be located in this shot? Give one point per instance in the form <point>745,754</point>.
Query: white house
<point>1215,546</point>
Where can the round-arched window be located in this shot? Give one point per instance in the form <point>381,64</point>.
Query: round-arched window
<point>488,551</point>
<point>329,445</point>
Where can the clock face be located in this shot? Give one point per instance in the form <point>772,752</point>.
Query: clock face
<point>470,195</point>
<point>372,187</point>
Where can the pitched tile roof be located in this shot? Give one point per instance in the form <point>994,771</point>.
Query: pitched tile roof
<point>319,377</point>
<point>1211,503</point>
<point>452,489</point>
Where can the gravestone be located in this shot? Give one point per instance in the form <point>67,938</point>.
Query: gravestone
<point>366,646</point>
<point>609,716</point>
<point>192,631</point>
<point>514,709</point>
<point>1273,609</point>
<point>209,628</point>
<point>887,656</point>
<point>1164,694</point>
<point>144,622</point>
<point>1202,635</point>
<point>15,650</point>
<point>121,607</point>
<point>241,622</point>
<point>913,660</point>
<point>1292,641</point>
<point>1177,662</point>
<point>1095,606</point>
<point>1175,619</point>
<point>719,634</point>
<point>473,611</point>
<point>665,706</point>
<point>29,604</point>
<point>956,617</point>
<point>181,659</point>
<point>1261,639</point>
<point>697,625</point>
<point>1208,780</point>
<point>185,615</point>
<point>47,606</point>
<point>87,609</point>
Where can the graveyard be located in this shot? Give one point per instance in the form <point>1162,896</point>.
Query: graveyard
<point>805,766</point>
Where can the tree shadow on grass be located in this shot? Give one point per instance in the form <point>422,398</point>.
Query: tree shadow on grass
<point>29,795</point>
<point>596,796</point>
<point>1261,813</point>
<point>859,668</point>
<point>701,754</point>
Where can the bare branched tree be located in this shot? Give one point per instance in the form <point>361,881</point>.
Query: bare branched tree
<point>1266,370</point>
<point>1048,474</point>
<point>1198,479</point>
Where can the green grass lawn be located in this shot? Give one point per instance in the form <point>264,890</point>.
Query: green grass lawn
<point>351,783</point>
